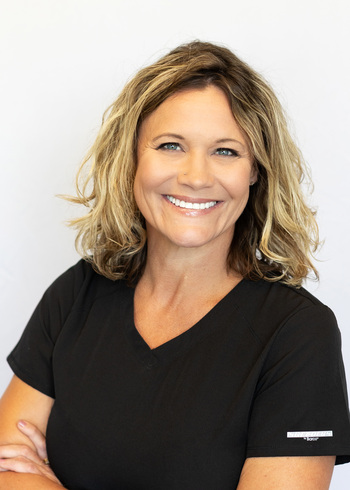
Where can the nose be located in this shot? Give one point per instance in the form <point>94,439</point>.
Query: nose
<point>195,171</point>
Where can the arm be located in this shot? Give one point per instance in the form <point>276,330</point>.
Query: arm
<point>287,473</point>
<point>20,401</point>
<point>19,481</point>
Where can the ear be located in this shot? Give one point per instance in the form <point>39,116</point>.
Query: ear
<point>253,174</point>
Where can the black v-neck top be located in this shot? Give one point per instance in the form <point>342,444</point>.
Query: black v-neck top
<point>260,375</point>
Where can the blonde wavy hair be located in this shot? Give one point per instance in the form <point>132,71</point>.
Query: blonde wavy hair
<point>275,236</point>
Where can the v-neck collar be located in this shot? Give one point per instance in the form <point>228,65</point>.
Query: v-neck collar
<point>181,343</point>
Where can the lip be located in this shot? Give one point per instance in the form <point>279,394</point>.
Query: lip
<point>191,212</point>
<point>192,200</point>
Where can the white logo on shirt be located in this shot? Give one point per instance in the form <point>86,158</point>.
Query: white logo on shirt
<point>310,435</point>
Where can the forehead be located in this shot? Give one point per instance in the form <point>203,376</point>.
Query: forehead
<point>193,111</point>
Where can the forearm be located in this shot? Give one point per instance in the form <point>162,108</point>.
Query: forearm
<point>18,481</point>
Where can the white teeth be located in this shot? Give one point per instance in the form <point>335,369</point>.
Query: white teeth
<point>191,205</point>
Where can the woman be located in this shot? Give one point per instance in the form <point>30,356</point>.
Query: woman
<point>182,353</point>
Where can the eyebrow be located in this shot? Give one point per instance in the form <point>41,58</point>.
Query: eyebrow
<point>171,135</point>
<point>232,140</point>
<point>179,137</point>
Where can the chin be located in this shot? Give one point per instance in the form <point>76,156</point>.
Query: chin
<point>191,241</point>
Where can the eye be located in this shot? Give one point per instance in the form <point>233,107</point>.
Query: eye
<point>227,152</point>
<point>169,146</point>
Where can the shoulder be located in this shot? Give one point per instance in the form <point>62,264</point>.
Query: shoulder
<point>272,307</point>
<point>281,295</point>
<point>77,288</point>
<point>73,278</point>
<point>79,280</point>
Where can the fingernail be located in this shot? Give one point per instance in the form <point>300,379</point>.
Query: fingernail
<point>21,423</point>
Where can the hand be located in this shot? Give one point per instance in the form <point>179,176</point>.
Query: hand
<point>21,458</point>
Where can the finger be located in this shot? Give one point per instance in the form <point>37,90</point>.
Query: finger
<point>22,465</point>
<point>34,434</point>
<point>19,450</point>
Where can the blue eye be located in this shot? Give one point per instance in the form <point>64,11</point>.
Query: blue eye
<point>169,146</point>
<point>226,152</point>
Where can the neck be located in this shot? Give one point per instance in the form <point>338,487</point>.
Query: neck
<point>178,272</point>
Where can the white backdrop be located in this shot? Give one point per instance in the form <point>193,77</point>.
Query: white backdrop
<point>64,61</point>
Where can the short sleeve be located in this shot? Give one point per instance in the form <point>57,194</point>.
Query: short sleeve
<point>301,406</point>
<point>31,359</point>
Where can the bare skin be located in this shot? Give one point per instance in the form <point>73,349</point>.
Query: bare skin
<point>287,473</point>
<point>206,161</point>
<point>22,449</point>
<point>170,298</point>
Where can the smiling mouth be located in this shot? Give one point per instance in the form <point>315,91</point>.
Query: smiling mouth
<point>191,205</point>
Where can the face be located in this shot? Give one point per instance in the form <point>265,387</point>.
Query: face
<point>193,170</point>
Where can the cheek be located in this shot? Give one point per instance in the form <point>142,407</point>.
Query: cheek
<point>238,184</point>
<point>139,187</point>
<point>147,180</point>
<point>151,175</point>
